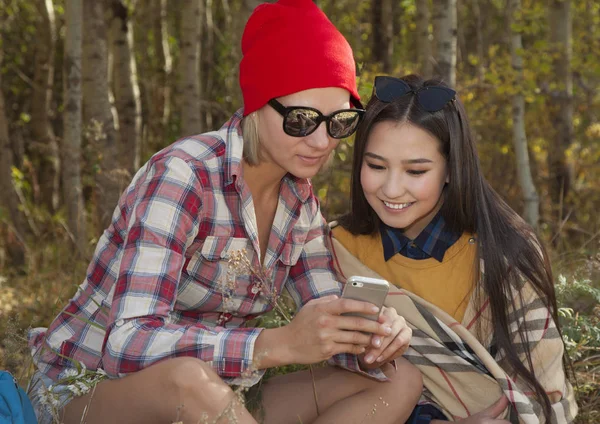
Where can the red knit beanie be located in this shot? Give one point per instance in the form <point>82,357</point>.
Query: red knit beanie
<point>291,46</point>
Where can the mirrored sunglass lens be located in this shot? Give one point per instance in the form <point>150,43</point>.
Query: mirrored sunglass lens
<point>434,98</point>
<point>387,89</point>
<point>300,122</point>
<point>343,124</point>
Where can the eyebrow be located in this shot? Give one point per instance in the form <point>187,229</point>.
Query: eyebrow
<point>406,161</point>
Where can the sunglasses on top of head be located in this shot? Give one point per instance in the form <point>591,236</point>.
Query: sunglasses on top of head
<point>431,98</point>
<point>300,121</point>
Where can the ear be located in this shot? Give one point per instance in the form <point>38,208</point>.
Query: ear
<point>447,177</point>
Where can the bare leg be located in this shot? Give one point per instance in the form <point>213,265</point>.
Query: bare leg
<point>186,389</point>
<point>344,397</point>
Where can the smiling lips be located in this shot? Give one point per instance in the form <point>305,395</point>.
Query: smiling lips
<point>397,206</point>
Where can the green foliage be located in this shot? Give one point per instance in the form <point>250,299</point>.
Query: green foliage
<point>581,329</point>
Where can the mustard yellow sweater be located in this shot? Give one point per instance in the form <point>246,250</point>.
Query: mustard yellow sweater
<point>447,284</point>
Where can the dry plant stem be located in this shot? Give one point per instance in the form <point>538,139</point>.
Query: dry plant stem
<point>239,261</point>
<point>314,386</point>
<point>87,407</point>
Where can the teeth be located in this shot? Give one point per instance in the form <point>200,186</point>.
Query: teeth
<point>397,205</point>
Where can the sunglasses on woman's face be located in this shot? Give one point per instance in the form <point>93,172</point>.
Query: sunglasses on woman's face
<point>300,121</point>
<point>432,98</point>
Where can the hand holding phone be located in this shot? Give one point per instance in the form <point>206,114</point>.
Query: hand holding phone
<point>366,289</point>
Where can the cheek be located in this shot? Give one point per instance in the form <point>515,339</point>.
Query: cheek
<point>429,188</point>
<point>366,180</point>
<point>333,143</point>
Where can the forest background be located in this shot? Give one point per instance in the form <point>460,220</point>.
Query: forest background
<point>90,89</point>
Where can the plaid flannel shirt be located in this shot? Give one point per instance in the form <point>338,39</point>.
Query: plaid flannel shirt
<point>157,286</point>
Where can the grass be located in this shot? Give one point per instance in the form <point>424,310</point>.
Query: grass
<point>32,298</point>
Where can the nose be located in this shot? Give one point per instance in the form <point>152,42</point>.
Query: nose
<point>393,187</point>
<point>319,140</point>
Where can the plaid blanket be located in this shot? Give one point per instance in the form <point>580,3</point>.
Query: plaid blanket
<point>461,372</point>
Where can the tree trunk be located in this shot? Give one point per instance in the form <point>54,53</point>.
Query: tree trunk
<point>530,196</point>
<point>479,43</point>
<point>207,63</point>
<point>382,24</point>
<point>141,24</point>
<point>161,93</point>
<point>98,118</point>
<point>423,38</point>
<point>44,148</point>
<point>71,145</point>
<point>561,105</point>
<point>9,200</point>
<point>125,87</point>
<point>388,35</point>
<point>445,39</point>
<point>189,67</point>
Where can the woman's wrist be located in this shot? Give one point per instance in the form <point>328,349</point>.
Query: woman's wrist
<point>272,348</point>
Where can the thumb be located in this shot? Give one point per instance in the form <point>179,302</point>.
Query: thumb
<point>495,410</point>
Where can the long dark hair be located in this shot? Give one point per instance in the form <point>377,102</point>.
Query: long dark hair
<point>508,246</point>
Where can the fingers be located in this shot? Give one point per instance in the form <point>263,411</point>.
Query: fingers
<point>388,315</point>
<point>351,323</point>
<point>352,337</point>
<point>344,306</point>
<point>396,348</point>
<point>392,346</point>
<point>348,348</point>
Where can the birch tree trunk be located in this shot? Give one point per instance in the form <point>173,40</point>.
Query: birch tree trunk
<point>71,145</point>
<point>530,196</point>
<point>44,147</point>
<point>125,87</point>
<point>561,104</point>
<point>189,67</point>
<point>9,200</point>
<point>445,39</point>
<point>423,38</point>
<point>98,118</point>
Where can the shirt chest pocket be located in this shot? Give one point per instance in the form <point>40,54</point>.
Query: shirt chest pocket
<point>209,264</point>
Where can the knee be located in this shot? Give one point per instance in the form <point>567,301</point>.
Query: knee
<point>406,375</point>
<point>191,378</point>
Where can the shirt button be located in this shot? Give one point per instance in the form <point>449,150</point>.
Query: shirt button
<point>412,244</point>
<point>119,322</point>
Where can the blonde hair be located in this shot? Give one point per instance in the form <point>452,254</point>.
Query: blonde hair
<point>251,139</point>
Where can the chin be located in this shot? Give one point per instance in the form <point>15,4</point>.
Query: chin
<point>305,171</point>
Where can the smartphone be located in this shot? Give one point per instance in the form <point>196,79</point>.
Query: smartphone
<point>372,290</point>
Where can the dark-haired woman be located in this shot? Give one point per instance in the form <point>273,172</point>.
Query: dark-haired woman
<point>474,281</point>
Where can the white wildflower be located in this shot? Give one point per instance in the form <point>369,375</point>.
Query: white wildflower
<point>71,372</point>
<point>54,400</point>
<point>43,395</point>
<point>83,370</point>
<point>84,388</point>
<point>74,389</point>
